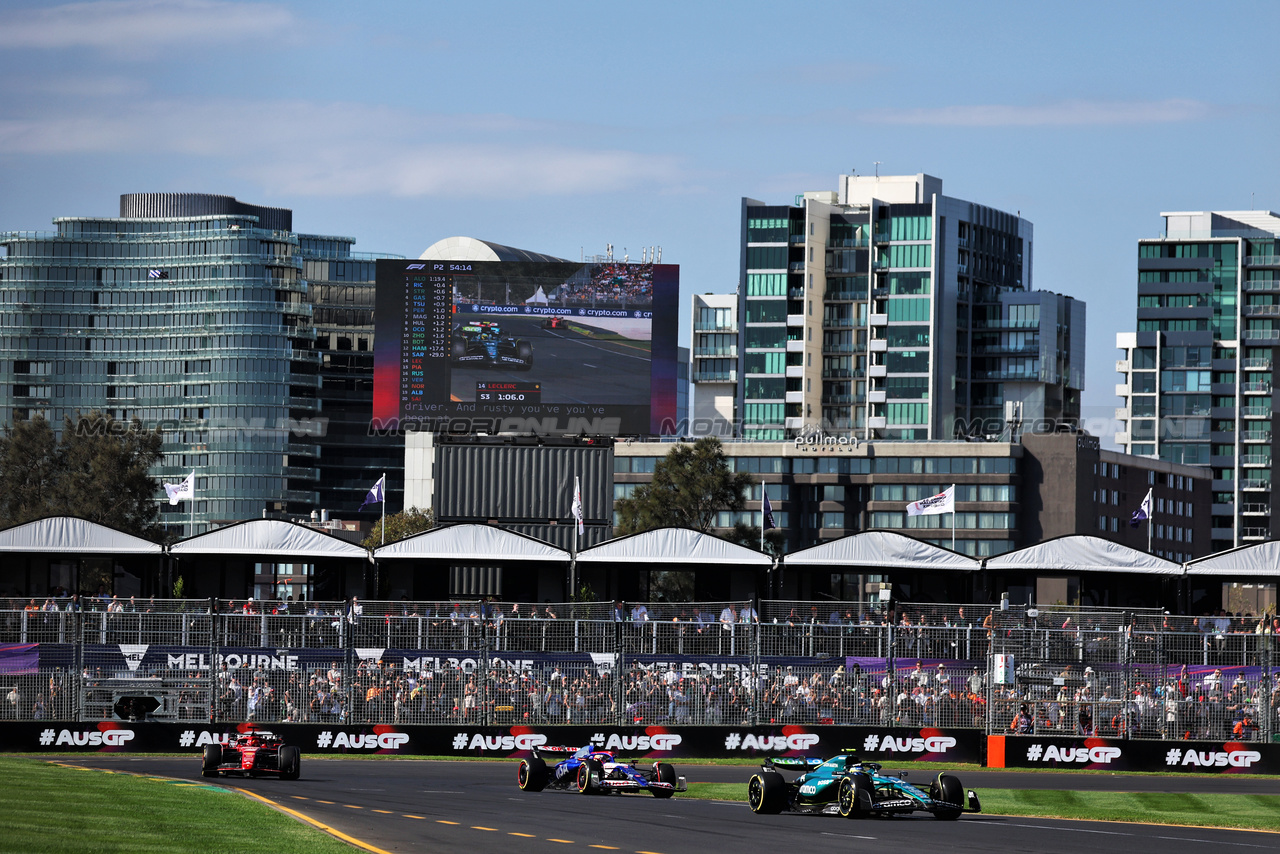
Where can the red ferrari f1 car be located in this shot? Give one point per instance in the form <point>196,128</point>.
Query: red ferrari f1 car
<point>250,754</point>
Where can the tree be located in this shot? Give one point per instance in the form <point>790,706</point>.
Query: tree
<point>98,470</point>
<point>690,486</point>
<point>401,525</point>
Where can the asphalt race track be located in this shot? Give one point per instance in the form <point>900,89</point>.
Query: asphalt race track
<point>572,369</point>
<point>419,805</point>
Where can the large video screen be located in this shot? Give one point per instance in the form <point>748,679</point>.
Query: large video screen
<point>553,349</point>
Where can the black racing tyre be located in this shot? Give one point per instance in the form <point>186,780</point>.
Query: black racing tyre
<point>767,793</point>
<point>524,350</point>
<point>212,759</point>
<point>855,797</point>
<point>665,774</point>
<point>457,349</point>
<point>290,760</point>
<point>949,790</point>
<point>532,775</point>
<point>590,773</point>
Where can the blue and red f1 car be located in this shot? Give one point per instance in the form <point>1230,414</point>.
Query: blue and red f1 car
<point>595,772</point>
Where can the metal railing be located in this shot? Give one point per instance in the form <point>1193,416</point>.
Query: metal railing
<point>1130,674</point>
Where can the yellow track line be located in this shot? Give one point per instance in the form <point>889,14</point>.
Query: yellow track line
<point>332,831</point>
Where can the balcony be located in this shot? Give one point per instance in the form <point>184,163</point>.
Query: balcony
<point>877,371</point>
<point>1256,459</point>
<point>1255,388</point>
<point>1262,261</point>
<point>1261,310</point>
<point>877,345</point>
<point>1122,366</point>
<point>715,377</point>
<point>837,323</point>
<point>795,346</point>
<point>838,349</point>
<point>794,397</point>
<point>1255,411</point>
<point>795,371</point>
<point>1123,390</point>
<point>1123,439</point>
<point>1256,364</point>
<point>1260,334</point>
<point>715,327</point>
<point>877,422</point>
<point>878,320</point>
<point>844,295</point>
<point>1256,436</point>
<point>1254,509</point>
<point>796,267</point>
<point>1260,484</point>
<point>876,397</point>
<point>1122,413</point>
<point>836,373</point>
<point>1261,285</point>
<point>848,242</point>
<point>731,351</point>
<point>838,400</point>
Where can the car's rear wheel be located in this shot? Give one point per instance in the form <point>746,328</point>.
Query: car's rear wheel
<point>767,793</point>
<point>948,790</point>
<point>532,775</point>
<point>212,759</point>
<point>290,760</point>
<point>590,773</point>
<point>665,774</point>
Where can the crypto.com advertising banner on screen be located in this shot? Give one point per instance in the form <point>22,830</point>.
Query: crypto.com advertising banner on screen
<point>525,347</point>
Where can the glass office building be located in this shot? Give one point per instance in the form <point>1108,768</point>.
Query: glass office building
<point>190,311</point>
<point>1197,372</point>
<point>888,310</point>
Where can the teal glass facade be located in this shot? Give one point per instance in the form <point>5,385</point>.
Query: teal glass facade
<point>199,321</point>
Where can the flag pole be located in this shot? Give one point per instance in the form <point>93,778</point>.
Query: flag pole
<point>762,489</point>
<point>953,517</point>
<point>384,508</point>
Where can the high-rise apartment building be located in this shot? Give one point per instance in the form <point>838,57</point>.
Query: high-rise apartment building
<point>714,376</point>
<point>888,310</point>
<point>1197,372</point>
<point>192,311</point>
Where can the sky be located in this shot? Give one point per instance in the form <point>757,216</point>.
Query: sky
<point>561,127</point>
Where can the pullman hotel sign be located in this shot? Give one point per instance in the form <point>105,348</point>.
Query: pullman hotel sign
<point>820,442</point>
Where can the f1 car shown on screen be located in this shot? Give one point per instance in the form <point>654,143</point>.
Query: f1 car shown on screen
<point>848,787</point>
<point>596,772</point>
<point>251,754</point>
<point>482,343</point>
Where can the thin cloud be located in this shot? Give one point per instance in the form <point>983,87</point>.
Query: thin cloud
<point>149,25</point>
<point>361,150</point>
<point>1063,113</point>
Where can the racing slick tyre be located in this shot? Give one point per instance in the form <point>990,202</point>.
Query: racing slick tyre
<point>666,774</point>
<point>290,762</point>
<point>767,793</point>
<point>457,350</point>
<point>855,797</point>
<point>590,773</point>
<point>524,351</point>
<point>949,790</point>
<point>532,775</point>
<point>212,759</point>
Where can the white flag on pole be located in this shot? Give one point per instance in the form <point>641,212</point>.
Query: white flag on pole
<point>934,505</point>
<point>577,504</point>
<point>183,491</point>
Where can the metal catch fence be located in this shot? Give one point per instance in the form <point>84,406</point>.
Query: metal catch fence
<point>1096,671</point>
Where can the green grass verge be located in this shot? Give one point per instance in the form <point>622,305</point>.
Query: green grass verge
<point>1248,812</point>
<point>48,808</point>
<point>598,334</point>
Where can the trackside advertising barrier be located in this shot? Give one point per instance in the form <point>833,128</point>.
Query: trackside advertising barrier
<point>884,744</point>
<point>1109,754</point>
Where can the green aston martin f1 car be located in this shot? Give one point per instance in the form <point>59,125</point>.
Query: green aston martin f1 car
<point>848,787</point>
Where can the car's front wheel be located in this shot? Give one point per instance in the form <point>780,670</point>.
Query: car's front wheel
<point>290,762</point>
<point>665,774</point>
<point>590,773</point>
<point>947,790</point>
<point>212,760</point>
